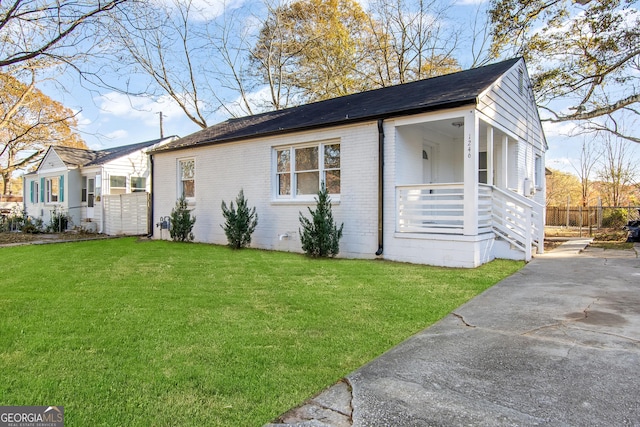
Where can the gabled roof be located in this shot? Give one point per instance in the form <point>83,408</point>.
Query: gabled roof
<point>447,91</point>
<point>84,157</point>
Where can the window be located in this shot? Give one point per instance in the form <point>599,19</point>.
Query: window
<point>52,190</point>
<point>539,172</point>
<point>187,175</point>
<point>301,169</point>
<point>83,194</point>
<point>35,191</point>
<point>91,191</point>
<point>482,167</point>
<point>138,184</point>
<point>117,184</point>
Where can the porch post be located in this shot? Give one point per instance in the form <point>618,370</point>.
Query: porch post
<point>504,167</point>
<point>471,145</point>
<point>490,179</point>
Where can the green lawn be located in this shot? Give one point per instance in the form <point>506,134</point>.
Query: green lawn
<point>152,333</point>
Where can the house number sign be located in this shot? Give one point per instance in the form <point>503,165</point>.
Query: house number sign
<point>469,147</point>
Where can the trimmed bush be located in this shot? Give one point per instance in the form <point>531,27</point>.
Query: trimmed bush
<point>181,222</point>
<point>320,237</point>
<point>239,223</point>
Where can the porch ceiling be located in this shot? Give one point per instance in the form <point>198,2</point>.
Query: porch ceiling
<point>450,131</point>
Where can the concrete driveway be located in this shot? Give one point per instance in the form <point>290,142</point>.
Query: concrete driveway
<point>557,343</point>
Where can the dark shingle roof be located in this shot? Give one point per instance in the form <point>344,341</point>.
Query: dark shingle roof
<point>82,157</point>
<point>75,156</point>
<point>447,91</point>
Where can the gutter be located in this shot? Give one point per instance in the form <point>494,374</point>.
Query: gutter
<point>380,186</point>
<point>150,218</point>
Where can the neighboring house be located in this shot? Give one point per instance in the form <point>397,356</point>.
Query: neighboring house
<point>445,171</point>
<point>86,185</point>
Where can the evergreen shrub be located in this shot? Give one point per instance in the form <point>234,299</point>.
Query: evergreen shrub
<point>240,222</point>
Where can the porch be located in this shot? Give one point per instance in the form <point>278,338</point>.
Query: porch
<point>464,176</point>
<point>429,209</point>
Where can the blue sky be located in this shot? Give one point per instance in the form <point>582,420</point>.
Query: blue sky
<point>108,119</point>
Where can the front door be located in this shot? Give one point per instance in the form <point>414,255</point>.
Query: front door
<point>427,173</point>
<point>91,191</point>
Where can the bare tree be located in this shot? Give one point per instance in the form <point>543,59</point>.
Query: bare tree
<point>582,53</point>
<point>617,171</point>
<point>590,154</point>
<point>415,40</point>
<point>200,61</point>
<point>53,29</point>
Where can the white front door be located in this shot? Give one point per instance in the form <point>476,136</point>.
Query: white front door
<point>91,191</point>
<point>427,157</point>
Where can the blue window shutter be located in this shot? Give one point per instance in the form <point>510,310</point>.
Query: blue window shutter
<point>42,190</point>
<point>31,193</point>
<point>62,188</point>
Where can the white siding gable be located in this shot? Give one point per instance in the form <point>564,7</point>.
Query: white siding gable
<point>51,162</point>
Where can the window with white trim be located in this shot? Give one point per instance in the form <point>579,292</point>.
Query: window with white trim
<point>138,184</point>
<point>52,189</point>
<point>117,184</point>
<point>187,178</point>
<point>539,172</point>
<point>301,168</point>
<point>35,191</point>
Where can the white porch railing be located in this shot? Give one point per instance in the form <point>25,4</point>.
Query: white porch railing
<point>439,208</point>
<point>432,208</point>
<point>518,220</point>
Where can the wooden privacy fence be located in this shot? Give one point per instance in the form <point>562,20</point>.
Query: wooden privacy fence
<point>126,214</point>
<point>591,216</point>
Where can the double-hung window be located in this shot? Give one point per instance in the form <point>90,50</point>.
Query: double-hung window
<point>52,190</point>
<point>301,169</point>
<point>187,178</point>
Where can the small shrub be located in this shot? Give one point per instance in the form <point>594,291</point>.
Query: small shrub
<point>59,221</point>
<point>320,237</point>
<point>13,222</point>
<point>32,225</point>
<point>181,222</point>
<point>614,218</point>
<point>239,223</point>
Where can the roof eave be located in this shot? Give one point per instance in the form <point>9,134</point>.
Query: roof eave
<point>372,118</point>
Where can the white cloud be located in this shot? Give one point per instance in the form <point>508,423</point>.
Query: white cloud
<point>560,129</point>
<point>140,108</point>
<point>118,134</point>
<point>204,10</point>
<point>470,2</point>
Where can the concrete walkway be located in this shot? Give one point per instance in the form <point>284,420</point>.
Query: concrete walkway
<point>557,343</point>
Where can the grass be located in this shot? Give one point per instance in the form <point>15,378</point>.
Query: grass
<point>612,245</point>
<point>153,333</point>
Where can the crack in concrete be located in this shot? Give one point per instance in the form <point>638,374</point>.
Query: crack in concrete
<point>324,408</point>
<point>463,321</point>
<point>349,413</point>
<point>586,310</point>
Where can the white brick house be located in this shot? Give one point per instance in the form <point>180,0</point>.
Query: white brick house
<point>446,171</point>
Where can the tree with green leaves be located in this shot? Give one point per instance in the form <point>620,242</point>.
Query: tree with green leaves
<point>320,237</point>
<point>240,222</point>
<point>582,53</point>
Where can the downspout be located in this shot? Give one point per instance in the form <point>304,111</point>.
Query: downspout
<point>150,218</point>
<point>380,186</point>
